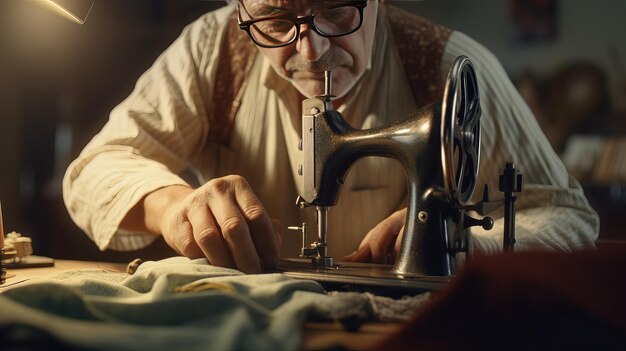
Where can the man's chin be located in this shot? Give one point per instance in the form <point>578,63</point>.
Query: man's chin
<point>309,87</point>
<point>306,75</point>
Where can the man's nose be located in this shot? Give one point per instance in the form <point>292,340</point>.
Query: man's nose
<point>311,45</point>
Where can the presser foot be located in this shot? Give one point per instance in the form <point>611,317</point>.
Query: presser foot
<point>326,261</point>
<point>316,252</point>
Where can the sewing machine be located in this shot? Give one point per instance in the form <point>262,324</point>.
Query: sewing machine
<point>439,148</point>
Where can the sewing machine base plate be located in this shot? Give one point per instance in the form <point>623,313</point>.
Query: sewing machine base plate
<point>363,277</point>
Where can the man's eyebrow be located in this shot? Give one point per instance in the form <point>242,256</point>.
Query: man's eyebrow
<point>264,10</point>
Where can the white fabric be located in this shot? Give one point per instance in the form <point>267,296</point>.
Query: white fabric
<point>162,128</point>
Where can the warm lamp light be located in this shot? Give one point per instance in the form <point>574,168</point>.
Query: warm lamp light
<point>74,10</point>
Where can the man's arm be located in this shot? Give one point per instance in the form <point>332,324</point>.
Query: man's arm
<point>552,211</point>
<point>147,141</point>
<point>123,188</point>
<point>222,220</point>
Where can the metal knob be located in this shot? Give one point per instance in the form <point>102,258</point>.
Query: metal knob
<point>486,222</point>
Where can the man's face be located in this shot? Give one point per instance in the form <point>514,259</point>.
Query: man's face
<point>303,63</point>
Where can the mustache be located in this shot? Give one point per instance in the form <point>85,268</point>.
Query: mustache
<point>331,58</point>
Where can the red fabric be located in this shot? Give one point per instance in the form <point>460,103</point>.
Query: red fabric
<point>527,301</point>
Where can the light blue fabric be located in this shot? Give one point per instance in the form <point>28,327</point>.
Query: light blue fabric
<point>110,311</point>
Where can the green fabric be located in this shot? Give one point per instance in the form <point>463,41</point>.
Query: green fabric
<point>220,309</point>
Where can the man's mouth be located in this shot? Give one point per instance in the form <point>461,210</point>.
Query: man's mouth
<point>317,75</point>
<point>334,59</point>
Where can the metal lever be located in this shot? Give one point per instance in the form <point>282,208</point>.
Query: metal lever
<point>305,251</point>
<point>510,183</point>
<point>486,222</point>
<point>484,206</point>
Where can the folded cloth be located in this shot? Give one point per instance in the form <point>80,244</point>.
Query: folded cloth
<point>149,310</point>
<point>172,304</point>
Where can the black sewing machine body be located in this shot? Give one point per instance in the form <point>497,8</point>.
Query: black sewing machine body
<point>439,148</point>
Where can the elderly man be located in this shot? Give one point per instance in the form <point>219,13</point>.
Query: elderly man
<point>224,102</point>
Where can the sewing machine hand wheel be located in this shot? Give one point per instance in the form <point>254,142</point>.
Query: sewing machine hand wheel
<point>460,131</point>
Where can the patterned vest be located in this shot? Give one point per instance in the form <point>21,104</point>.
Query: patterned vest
<point>420,55</point>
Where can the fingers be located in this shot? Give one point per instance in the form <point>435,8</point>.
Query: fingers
<point>236,234</point>
<point>361,255</point>
<point>259,224</point>
<point>179,236</point>
<point>208,237</point>
<point>379,245</point>
<point>225,222</point>
<point>383,237</point>
<point>394,253</point>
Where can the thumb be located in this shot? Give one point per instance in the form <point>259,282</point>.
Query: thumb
<point>398,243</point>
<point>363,254</point>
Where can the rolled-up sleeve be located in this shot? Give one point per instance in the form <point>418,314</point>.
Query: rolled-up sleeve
<point>149,138</point>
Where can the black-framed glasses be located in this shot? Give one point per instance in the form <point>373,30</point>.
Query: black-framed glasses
<point>332,21</point>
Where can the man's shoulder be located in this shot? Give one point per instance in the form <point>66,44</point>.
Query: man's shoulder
<point>407,21</point>
<point>214,19</point>
<point>420,44</point>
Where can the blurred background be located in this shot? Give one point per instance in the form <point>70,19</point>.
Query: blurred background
<point>59,81</point>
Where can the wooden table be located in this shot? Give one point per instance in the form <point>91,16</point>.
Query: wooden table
<point>316,335</point>
<point>22,276</point>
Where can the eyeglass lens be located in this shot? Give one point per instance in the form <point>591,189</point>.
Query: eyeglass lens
<point>331,22</point>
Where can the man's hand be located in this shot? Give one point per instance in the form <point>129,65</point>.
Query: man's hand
<point>223,220</point>
<point>382,243</point>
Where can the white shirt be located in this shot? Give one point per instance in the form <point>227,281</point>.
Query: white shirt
<point>161,129</point>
